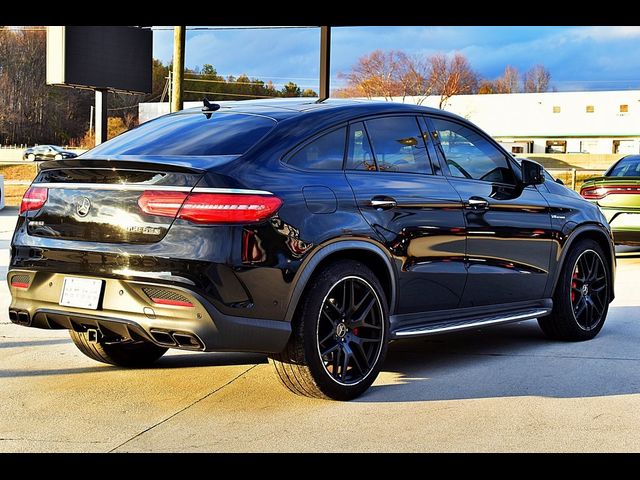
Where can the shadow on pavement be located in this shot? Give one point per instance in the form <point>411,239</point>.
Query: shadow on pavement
<point>33,343</point>
<point>168,362</point>
<point>507,361</point>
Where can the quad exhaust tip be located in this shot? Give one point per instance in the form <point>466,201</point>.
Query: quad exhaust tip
<point>176,339</point>
<point>21,317</point>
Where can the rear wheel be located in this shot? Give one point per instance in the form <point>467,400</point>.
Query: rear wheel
<point>31,157</point>
<point>581,299</point>
<point>125,354</point>
<point>339,337</point>
<point>58,157</point>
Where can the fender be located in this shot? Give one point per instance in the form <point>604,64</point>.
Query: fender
<point>323,251</point>
<point>570,239</point>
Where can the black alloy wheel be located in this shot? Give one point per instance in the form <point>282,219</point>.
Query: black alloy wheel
<point>588,290</point>
<point>582,295</point>
<point>350,330</point>
<point>339,335</point>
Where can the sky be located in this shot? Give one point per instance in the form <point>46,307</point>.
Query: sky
<point>579,58</point>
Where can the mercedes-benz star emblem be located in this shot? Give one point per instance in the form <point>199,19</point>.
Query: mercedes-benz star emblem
<point>83,205</point>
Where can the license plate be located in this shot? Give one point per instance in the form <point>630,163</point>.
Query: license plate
<point>81,292</point>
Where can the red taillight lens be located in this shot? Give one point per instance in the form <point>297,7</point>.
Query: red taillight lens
<point>206,208</point>
<point>598,192</point>
<point>34,198</point>
<point>162,204</point>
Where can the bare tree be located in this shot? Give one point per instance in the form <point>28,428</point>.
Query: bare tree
<point>376,74</point>
<point>537,79</point>
<point>452,76</point>
<point>509,82</point>
<point>486,87</point>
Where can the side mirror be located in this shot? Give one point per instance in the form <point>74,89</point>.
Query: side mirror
<point>532,172</point>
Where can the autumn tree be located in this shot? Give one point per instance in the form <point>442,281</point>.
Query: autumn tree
<point>536,79</point>
<point>395,74</point>
<point>452,76</point>
<point>509,82</point>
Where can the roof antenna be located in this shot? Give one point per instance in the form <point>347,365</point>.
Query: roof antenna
<point>209,107</point>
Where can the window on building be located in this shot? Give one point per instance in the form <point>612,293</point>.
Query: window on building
<point>515,149</point>
<point>398,145</point>
<point>556,109</point>
<point>624,108</point>
<point>324,153</point>
<point>590,109</point>
<point>471,155</point>
<point>556,146</point>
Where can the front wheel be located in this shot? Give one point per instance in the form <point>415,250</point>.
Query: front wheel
<point>125,354</point>
<point>340,334</point>
<point>581,299</point>
<point>58,157</point>
<point>31,157</point>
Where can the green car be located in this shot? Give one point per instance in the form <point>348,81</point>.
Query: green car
<point>617,193</point>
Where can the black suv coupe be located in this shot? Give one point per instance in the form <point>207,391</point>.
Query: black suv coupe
<point>315,232</point>
<point>47,152</point>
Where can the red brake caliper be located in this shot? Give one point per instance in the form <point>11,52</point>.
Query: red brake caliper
<point>573,285</point>
<point>355,331</point>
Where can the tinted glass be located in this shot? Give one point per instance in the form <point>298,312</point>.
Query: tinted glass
<point>471,155</point>
<point>189,134</point>
<point>360,156</point>
<point>627,167</point>
<point>398,145</point>
<point>325,153</point>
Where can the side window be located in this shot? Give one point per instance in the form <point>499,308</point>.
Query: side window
<point>360,156</point>
<point>470,155</point>
<point>324,153</point>
<point>398,145</point>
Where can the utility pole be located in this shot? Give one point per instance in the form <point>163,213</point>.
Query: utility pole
<point>178,68</point>
<point>101,116</point>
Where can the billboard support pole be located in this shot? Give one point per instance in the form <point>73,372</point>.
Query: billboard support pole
<point>101,116</point>
<point>178,68</point>
<point>325,60</point>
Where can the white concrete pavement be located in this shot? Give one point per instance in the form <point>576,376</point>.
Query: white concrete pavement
<point>497,389</point>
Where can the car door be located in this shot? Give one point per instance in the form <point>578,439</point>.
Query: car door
<point>508,227</point>
<point>413,209</point>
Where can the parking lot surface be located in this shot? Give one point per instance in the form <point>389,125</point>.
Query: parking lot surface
<point>497,389</point>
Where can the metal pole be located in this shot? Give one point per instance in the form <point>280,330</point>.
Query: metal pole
<point>91,121</point>
<point>178,68</point>
<point>101,116</point>
<point>574,178</point>
<point>325,62</point>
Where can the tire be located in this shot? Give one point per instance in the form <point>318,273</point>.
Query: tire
<point>581,299</point>
<point>31,157</point>
<point>134,354</point>
<point>343,313</point>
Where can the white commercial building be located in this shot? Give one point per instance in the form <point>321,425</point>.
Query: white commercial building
<point>552,122</point>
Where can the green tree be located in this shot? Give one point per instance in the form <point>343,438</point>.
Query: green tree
<point>291,90</point>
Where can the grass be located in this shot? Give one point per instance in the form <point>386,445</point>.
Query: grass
<point>19,172</point>
<point>13,194</point>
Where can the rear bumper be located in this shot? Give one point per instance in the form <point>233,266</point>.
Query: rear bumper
<point>126,311</point>
<point>626,237</point>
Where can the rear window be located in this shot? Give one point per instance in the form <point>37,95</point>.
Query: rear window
<point>190,134</point>
<point>627,167</point>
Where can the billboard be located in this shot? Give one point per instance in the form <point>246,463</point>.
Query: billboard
<point>101,57</point>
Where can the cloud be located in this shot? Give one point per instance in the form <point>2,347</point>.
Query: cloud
<point>607,33</point>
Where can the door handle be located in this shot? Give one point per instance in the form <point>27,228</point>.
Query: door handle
<point>383,203</point>
<point>477,203</point>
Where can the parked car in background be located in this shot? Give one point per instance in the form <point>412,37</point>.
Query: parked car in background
<point>313,232</point>
<point>47,152</point>
<point>617,193</point>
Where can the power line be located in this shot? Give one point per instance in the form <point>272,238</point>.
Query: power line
<point>238,28</point>
<point>230,94</point>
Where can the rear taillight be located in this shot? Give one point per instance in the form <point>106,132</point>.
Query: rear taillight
<point>206,208</point>
<point>598,192</point>
<point>34,198</point>
<point>20,281</point>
